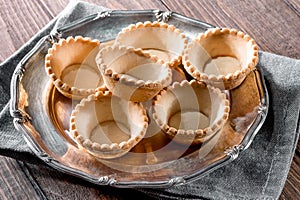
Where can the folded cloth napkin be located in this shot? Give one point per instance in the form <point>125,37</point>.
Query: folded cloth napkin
<point>259,172</point>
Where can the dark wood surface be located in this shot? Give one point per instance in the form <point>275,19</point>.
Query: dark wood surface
<point>273,23</point>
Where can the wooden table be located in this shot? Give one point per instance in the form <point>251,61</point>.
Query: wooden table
<point>273,23</point>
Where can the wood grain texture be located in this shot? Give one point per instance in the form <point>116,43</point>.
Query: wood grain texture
<point>294,5</point>
<point>20,20</point>
<point>14,182</point>
<point>56,185</point>
<point>55,7</point>
<point>274,24</point>
<point>292,185</point>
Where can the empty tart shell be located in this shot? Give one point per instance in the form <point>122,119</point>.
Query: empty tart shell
<point>190,112</point>
<point>160,39</point>
<point>132,74</point>
<point>221,57</point>
<point>108,126</point>
<point>70,64</point>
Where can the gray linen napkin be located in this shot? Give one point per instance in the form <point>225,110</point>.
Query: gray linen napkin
<point>259,172</point>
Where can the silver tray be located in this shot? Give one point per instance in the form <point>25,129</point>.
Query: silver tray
<point>41,114</point>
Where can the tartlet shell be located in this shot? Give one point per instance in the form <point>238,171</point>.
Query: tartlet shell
<point>139,90</point>
<point>107,151</point>
<point>230,80</point>
<point>191,137</point>
<point>64,88</point>
<point>128,37</point>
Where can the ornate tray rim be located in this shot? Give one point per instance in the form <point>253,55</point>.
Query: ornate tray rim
<point>20,117</point>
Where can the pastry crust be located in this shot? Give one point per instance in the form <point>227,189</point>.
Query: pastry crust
<point>221,57</point>
<point>70,64</point>
<point>133,74</point>
<point>190,112</point>
<point>160,39</point>
<point>108,126</point>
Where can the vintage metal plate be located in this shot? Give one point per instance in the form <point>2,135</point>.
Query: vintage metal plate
<point>42,114</point>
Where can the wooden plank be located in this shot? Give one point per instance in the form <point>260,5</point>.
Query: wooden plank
<point>291,189</point>
<point>20,20</point>
<point>273,24</point>
<point>56,6</point>
<point>14,183</point>
<point>57,185</point>
<point>294,5</point>
<point>5,39</point>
